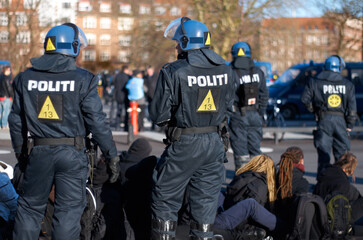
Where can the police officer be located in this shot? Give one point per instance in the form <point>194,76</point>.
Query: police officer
<point>55,103</point>
<point>332,98</point>
<point>191,97</point>
<point>250,104</point>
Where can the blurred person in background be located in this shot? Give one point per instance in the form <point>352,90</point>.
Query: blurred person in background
<point>121,94</point>
<point>6,94</point>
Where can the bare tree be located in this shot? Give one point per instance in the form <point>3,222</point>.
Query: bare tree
<point>347,17</point>
<point>238,20</point>
<point>24,32</point>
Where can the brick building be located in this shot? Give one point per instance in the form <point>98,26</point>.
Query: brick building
<point>288,41</point>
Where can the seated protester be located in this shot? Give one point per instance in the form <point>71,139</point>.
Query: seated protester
<point>253,185</point>
<point>290,177</point>
<point>254,180</point>
<point>289,182</point>
<point>137,197</point>
<point>230,223</point>
<point>8,202</point>
<point>138,150</point>
<point>334,178</point>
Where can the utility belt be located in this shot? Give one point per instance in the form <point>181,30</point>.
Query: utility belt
<point>244,109</point>
<point>173,133</point>
<point>321,114</point>
<point>78,141</point>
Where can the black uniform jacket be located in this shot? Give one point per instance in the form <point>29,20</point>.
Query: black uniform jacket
<point>330,91</point>
<point>56,99</point>
<point>194,91</point>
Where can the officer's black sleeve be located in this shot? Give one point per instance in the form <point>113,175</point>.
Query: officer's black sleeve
<point>351,111</point>
<point>263,94</point>
<point>94,117</point>
<point>161,104</point>
<point>17,123</point>
<point>307,96</point>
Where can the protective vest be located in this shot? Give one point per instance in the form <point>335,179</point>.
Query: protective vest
<point>135,88</point>
<point>248,89</point>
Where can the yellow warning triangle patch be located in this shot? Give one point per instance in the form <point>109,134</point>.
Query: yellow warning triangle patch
<point>241,52</point>
<point>48,111</point>
<point>207,42</point>
<point>208,103</point>
<point>50,46</point>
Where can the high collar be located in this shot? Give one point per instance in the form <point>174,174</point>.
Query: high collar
<point>55,63</point>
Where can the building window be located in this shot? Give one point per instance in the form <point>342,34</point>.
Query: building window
<point>144,9</point>
<point>123,56</point>
<point>5,3</point>
<point>105,56</point>
<point>125,8</point>
<point>175,11</point>
<point>66,5</point>
<point>124,40</point>
<point>89,22</point>
<point>30,4</point>
<point>105,39</point>
<point>23,37</point>
<point>324,40</point>
<point>159,10</point>
<point>91,38</point>
<point>4,37</point>
<point>3,19</point>
<point>21,19</point>
<point>89,55</point>
<point>105,7</point>
<point>125,23</point>
<point>105,23</point>
<point>84,6</point>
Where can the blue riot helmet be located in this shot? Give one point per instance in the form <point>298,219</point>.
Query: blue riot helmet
<point>334,63</point>
<point>190,34</point>
<point>65,39</point>
<point>241,49</point>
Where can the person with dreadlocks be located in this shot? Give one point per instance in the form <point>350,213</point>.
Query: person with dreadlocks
<point>290,177</point>
<point>289,182</point>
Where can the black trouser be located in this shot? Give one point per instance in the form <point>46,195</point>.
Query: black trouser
<point>331,134</point>
<point>245,134</point>
<point>66,168</point>
<point>195,160</point>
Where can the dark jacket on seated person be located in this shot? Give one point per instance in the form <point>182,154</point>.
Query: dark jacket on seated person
<point>247,185</point>
<point>334,179</point>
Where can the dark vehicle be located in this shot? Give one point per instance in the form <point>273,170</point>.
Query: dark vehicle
<point>267,70</point>
<point>287,89</point>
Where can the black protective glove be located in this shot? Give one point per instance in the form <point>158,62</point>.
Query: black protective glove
<point>22,160</point>
<point>114,166</point>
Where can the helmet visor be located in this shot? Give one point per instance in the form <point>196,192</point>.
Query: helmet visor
<point>82,39</point>
<point>171,29</point>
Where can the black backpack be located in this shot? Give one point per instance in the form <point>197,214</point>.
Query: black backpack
<point>310,221</point>
<point>339,215</point>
